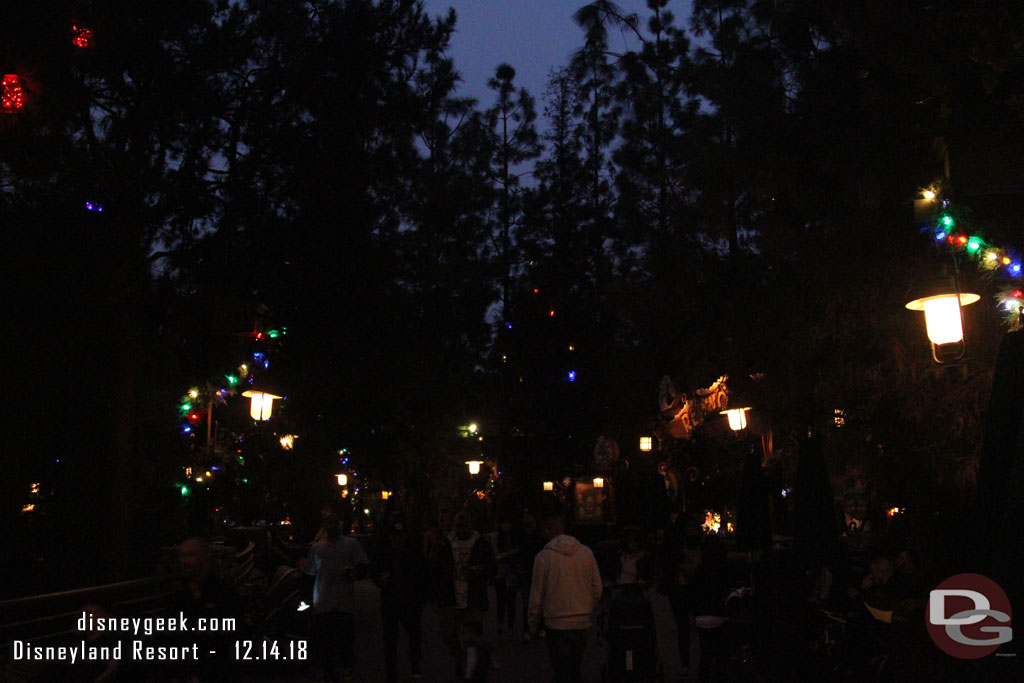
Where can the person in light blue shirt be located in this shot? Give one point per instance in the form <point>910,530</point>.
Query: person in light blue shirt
<point>337,562</point>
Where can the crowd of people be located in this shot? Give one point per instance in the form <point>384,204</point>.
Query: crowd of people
<point>766,612</point>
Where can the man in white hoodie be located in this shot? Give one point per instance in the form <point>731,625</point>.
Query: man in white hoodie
<point>566,587</point>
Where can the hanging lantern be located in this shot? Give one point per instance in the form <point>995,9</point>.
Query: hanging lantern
<point>474,466</point>
<point>342,480</point>
<point>737,418</point>
<point>646,443</point>
<point>943,319</point>
<point>11,96</point>
<point>549,486</point>
<point>598,483</point>
<point>384,495</point>
<point>262,404</point>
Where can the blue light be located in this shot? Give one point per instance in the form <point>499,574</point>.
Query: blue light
<point>187,429</point>
<point>1015,268</point>
<point>572,375</point>
<point>508,325</point>
<point>214,468</point>
<point>90,206</point>
<point>266,364</point>
<point>257,356</point>
<point>940,235</point>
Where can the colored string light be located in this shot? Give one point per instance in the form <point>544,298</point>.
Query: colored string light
<point>81,36</point>
<point>12,97</point>
<point>1001,261</point>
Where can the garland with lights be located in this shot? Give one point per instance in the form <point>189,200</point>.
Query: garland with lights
<point>946,227</point>
<point>197,404</point>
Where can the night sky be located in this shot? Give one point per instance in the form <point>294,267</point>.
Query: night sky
<point>534,36</point>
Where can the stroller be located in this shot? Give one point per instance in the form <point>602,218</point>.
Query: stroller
<point>632,643</point>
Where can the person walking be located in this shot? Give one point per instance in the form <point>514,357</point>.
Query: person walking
<point>506,581</point>
<point>399,570</point>
<point>465,567</point>
<point>337,562</point>
<point>531,541</point>
<point>566,587</point>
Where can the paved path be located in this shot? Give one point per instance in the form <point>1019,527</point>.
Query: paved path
<point>517,661</point>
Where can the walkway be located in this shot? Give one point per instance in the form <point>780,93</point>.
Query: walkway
<point>517,661</point>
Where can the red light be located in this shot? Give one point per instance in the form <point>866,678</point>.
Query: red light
<point>12,97</point>
<point>551,313</point>
<point>194,417</point>
<point>536,291</point>
<point>962,239</point>
<point>82,36</point>
<point>1016,294</point>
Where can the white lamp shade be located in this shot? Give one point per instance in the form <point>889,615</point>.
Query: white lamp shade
<point>549,486</point>
<point>598,483</point>
<point>737,418</point>
<point>474,466</point>
<point>342,480</point>
<point>942,315</point>
<point>262,404</point>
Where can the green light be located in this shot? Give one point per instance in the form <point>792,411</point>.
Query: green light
<point>185,407</point>
<point>184,490</point>
<point>245,481</point>
<point>974,245</point>
<point>232,380</point>
<point>947,220</point>
<point>274,334</point>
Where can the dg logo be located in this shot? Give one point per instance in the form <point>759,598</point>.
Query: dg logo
<point>968,616</point>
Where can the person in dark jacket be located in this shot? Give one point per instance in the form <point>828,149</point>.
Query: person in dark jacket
<point>680,558</point>
<point>531,542</point>
<point>711,587</point>
<point>465,567</point>
<point>400,571</point>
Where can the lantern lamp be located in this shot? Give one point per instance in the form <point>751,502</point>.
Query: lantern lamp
<point>549,486</point>
<point>646,443</point>
<point>598,483</point>
<point>342,480</point>
<point>737,418</point>
<point>384,495</point>
<point>941,303</point>
<point>474,466</point>
<point>262,404</point>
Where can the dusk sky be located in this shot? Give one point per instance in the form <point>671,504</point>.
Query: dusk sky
<point>534,36</point>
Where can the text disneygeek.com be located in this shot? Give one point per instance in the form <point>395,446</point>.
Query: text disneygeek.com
<point>128,649</point>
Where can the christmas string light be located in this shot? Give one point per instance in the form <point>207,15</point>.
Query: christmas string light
<point>12,98</point>
<point>1005,262</point>
<point>81,36</point>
